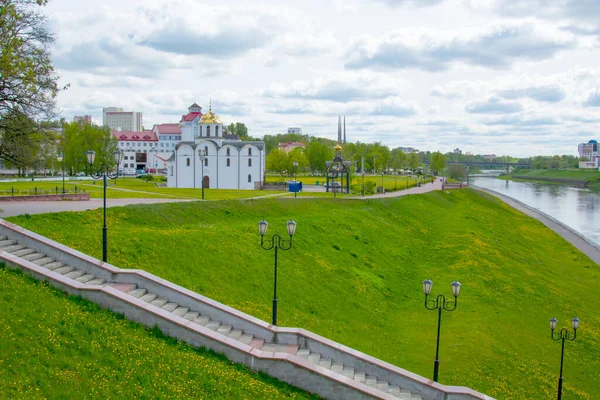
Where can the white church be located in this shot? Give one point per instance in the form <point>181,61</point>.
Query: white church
<point>229,163</point>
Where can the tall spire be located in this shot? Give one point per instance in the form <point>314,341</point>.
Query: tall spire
<point>339,138</point>
<point>210,105</point>
<point>344,129</point>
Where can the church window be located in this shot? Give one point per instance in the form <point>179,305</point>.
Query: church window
<point>228,162</point>
<point>228,152</point>
<point>249,162</point>
<point>217,130</point>
<point>200,131</point>
<point>249,178</point>
<point>249,151</point>
<point>187,162</point>
<point>206,162</point>
<point>205,150</point>
<point>208,131</point>
<point>171,167</point>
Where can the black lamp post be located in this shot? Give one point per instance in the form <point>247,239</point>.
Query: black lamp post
<point>563,335</point>
<point>277,243</point>
<point>104,172</point>
<point>295,181</point>
<point>202,156</point>
<point>61,158</point>
<point>440,303</point>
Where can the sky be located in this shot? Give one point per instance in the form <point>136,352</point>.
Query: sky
<point>517,77</point>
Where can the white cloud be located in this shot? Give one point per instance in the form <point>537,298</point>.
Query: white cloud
<point>494,105</point>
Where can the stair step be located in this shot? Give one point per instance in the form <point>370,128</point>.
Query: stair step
<point>202,320</point>
<point>303,353</point>
<point>325,362</point>
<point>170,306</point>
<point>149,297</point>
<point>224,329</point>
<point>394,389</point>
<point>43,261</point>
<point>97,281</point>
<point>371,380</point>
<point>4,237</point>
<point>314,358</point>
<point>191,315</point>
<point>7,242</point>
<point>137,293</point>
<point>13,248</point>
<point>159,302</point>
<point>64,270</point>
<point>85,278</point>
<point>415,396</point>
<point>75,274</point>
<point>181,311</point>
<point>21,253</point>
<point>54,265</point>
<point>348,372</point>
<point>257,343</point>
<point>213,325</point>
<point>337,367</point>
<point>33,256</point>
<point>382,385</point>
<point>235,334</point>
<point>246,338</point>
<point>360,377</point>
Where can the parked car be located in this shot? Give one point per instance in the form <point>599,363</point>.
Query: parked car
<point>80,174</point>
<point>333,185</point>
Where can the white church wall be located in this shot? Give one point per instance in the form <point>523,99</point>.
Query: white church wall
<point>184,158</point>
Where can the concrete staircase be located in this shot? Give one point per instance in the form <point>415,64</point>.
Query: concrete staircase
<point>280,344</point>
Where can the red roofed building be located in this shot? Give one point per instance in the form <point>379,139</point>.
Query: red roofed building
<point>189,123</point>
<point>289,146</point>
<point>135,146</point>
<point>168,136</point>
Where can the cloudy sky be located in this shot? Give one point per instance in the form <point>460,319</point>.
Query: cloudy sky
<point>519,77</point>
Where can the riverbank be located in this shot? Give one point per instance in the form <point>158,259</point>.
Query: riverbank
<point>576,239</point>
<point>575,177</point>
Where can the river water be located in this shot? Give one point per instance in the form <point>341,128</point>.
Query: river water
<point>578,208</point>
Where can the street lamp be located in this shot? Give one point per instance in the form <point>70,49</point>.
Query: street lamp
<point>295,182</point>
<point>563,335</point>
<point>104,173</point>
<point>202,155</point>
<point>277,243</point>
<point>61,158</point>
<point>440,303</point>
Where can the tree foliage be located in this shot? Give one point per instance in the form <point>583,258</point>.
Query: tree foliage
<point>437,162</point>
<point>457,171</point>
<point>79,138</point>
<point>28,82</point>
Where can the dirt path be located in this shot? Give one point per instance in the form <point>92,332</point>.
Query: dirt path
<point>587,248</point>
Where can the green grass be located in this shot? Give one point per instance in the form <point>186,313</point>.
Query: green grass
<point>134,188</point>
<point>389,181</point>
<point>354,276</point>
<point>583,175</point>
<point>54,346</point>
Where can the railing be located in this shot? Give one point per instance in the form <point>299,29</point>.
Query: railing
<point>12,192</point>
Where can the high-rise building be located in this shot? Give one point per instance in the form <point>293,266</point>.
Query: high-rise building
<point>589,156</point>
<point>118,120</point>
<point>295,130</point>
<point>85,119</point>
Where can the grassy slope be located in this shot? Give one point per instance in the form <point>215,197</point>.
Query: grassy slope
<point>354,276</point>
<point>576,174</point>
<point>134,188</point>
<point>52,346</point>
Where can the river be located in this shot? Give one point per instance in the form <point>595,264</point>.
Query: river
<point>577,208</point>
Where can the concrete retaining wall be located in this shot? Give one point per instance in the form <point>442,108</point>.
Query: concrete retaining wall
<point>48,197</point>
<point>289,368</point>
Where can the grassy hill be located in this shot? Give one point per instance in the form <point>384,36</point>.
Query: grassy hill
<point>582,175</point>
<point>354,276</point>
<point>54,346</point>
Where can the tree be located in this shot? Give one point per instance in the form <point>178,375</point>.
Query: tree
<point>28,82</point>
<point>277,160</point>
<point>437,162</point>
<point>21,141</point>
<point>318,153</point>
<point>240,129</point>
<point>457,171</point>
<point>297,155</point>
<point>413,161</point>
<point>79,138</point>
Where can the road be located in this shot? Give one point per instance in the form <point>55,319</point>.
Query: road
<point>40,207</point>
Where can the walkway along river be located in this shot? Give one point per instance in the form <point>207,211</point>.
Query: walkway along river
<point>577,208</point>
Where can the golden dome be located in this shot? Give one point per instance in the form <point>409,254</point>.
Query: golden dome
<point>337,147</point>
<point>210,117</point>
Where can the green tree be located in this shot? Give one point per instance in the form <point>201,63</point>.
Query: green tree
<point>437,162</point>
<point>21,140</point>
<point>240,129</point>
<point>28,82</point>
<point>277,161</point>
<point>457,171</point>
<point>79,138</point>
<point>297,155</point>
<point>318,152</point>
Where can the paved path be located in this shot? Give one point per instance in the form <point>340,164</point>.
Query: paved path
<point>587,248</point>
<point>40,207</point>
<point>427,187</point>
